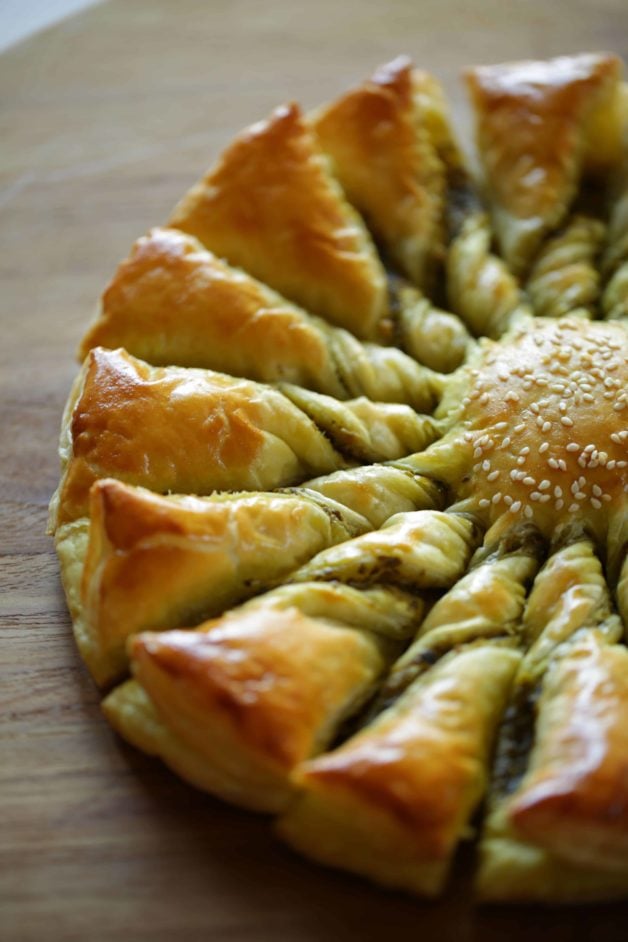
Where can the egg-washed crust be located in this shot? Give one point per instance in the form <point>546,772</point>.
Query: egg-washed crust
<point>539,126</point>
<point>173,302</point>
<point>545,413</point>
<point>161,562</point>
<point>271,207</point>
<point>429,568</point>
<point>279,674</point>
<point>178,430</point>
<point>393,802</point>
<point>573,800</point>
<point>384,156</point>
<point>256,694</point>
<point>181,431</point>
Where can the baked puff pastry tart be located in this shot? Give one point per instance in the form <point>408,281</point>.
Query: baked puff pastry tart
<point>342,518</point>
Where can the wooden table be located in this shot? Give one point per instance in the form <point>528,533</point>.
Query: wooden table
<point>107,118</point>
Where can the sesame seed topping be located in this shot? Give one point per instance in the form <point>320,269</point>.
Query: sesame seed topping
<point>568,385</point>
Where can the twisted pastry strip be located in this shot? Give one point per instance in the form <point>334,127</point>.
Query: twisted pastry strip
<point>564,278</point>
<point>190,557</point>
<point>487,603</point>
<point>576,729</point>
<point>615,297</point>
<point>480,288</point>
<point>435,338</point>
<point>172,302</point>
<point>193,431</point>
<point>193,557</point>
<point>244,699</point>
<point>394,800</point>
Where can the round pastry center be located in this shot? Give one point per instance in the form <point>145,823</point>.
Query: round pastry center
<point>547,417</point>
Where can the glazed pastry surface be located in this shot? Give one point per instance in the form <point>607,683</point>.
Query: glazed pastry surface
<point>539,126</point>
<point>271,207</point>
<point>173,302</point>
<point>344,491</point>
<point>387,162</point>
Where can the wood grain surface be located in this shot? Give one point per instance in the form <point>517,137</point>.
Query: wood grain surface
<point>106,119</point>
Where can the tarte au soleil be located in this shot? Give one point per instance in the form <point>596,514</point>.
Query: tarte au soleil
<point>342,518</point>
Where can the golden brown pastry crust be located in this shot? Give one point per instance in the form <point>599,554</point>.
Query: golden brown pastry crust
<point>271,207</point>
<point>574,799</point>
<point>161,562</point>
<point>173,302</point>
<point>538,124</point>
<point>256,693</point>
<point>393,801</point>
<point>181,431</point>
<point>387,164</point>
<point>480,287</point>
<point>532,445</point>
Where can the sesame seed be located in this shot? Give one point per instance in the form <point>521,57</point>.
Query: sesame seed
<point>566,420</point>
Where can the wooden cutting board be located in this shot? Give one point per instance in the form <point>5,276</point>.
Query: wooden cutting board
<point>106,120</point>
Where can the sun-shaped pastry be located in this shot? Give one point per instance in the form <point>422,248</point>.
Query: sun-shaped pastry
<point>344,556</point>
